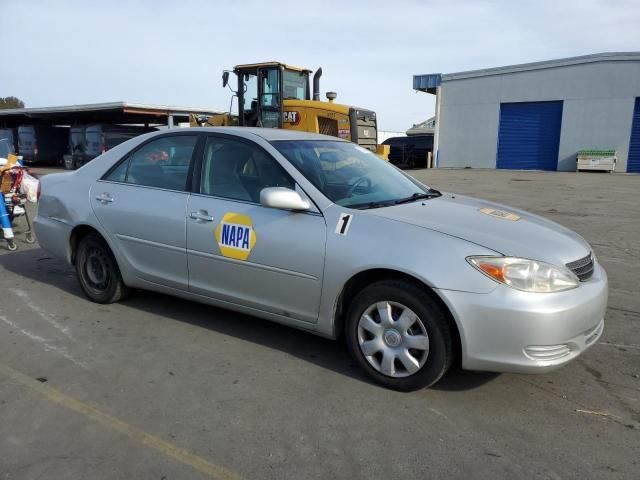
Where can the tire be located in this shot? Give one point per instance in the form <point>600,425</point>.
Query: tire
<point>409,306</point>
<point>98,272</point>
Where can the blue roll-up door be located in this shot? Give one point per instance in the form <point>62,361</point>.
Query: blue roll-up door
<point>529,135</point>
<point>633,163</point>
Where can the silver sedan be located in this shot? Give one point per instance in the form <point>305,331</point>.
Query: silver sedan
<point>322,235</point>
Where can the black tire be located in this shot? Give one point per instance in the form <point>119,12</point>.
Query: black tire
<point>440,349</point>
<point>98,272</point>
<point>11,245</point>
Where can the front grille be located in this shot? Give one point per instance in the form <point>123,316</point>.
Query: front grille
<point>583,268</point>
<point>328,126</point>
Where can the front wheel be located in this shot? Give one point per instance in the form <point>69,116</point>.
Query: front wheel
<point>98,271</point>
<point>399,335</point>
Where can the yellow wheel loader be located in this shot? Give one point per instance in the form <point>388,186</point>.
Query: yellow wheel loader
<point>275,95</point>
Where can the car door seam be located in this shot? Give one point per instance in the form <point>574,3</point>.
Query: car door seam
<point>149,242</point>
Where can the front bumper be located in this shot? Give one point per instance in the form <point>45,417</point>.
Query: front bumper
<point>512,331</point>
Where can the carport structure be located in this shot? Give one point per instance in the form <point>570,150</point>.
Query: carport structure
<point>111,113</point>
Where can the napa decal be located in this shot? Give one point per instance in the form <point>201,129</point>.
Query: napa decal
<point>235,236</point>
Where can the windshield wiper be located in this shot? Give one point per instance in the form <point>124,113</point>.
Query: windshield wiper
<point>418,196</point>
<point>368,205</point>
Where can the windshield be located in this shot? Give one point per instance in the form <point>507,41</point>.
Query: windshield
<point>350,175</point>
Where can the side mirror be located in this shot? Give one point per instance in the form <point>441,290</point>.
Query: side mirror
<point>283,198</point>
<point>225,78</point>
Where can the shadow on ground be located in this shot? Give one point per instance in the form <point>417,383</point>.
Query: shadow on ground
<point>38,266</point>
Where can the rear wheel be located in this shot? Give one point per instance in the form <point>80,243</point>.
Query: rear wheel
<point>399,335</point>
<point>98,272</point>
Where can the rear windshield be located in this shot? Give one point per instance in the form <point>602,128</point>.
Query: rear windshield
<point>5,148</point>
<point>26,134</point>
<point>77,137</point>
<point>94,140</point>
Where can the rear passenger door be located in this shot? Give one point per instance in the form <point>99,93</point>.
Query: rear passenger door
<point>243,253</point>
<point>141,203</point>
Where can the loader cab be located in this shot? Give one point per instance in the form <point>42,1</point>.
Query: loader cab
<point>262,88</point>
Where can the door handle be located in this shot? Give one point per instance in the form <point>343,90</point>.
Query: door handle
<point>201,216</point>
<point>104,198</point>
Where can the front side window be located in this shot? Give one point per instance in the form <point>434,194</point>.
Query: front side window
<point>161,163</point>
<point>239,171</point>
<point>350,175</point>
<point>250,109</point>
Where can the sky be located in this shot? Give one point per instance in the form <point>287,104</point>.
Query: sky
<point>62,52</point>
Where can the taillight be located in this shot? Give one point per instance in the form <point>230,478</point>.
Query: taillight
<point>39,191</point>
<point>103,148</point>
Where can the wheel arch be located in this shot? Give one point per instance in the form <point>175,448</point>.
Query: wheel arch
<point>78,233</point>
<point>367,277</point>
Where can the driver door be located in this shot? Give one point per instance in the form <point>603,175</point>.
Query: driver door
<point>269,97</point>
<point>243,253</point>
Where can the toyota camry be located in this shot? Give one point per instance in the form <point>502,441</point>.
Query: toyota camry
<point>322,235</point>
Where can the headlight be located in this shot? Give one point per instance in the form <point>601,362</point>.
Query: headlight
<point>526,275</point>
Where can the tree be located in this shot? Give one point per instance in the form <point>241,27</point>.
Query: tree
<point>10,102</point>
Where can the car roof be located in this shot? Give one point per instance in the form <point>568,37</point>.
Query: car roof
<point>268,134</point>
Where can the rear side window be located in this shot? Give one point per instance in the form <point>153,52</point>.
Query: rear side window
<point>161,163</point>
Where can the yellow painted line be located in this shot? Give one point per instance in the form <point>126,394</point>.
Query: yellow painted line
<point>117,425</point>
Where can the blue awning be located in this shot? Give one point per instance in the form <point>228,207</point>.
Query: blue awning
<point>427,83</point>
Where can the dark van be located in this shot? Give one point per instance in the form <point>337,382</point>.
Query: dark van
<point>103,137</point>
<point>411,151</point>
<point>11,136</point>
<point>77,147</point>
<point>42,144</point>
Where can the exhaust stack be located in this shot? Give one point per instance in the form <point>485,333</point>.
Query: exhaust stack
<point>316,84</point>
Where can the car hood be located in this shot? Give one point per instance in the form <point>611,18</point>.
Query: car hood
<point>506,230</point>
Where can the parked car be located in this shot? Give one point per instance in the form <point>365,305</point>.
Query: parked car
<point>103,137</point>
<point>411,151</point>
<point>11,135</point>
<point>323,235</point>
<point>42,143</point>
<point>77,147</point>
